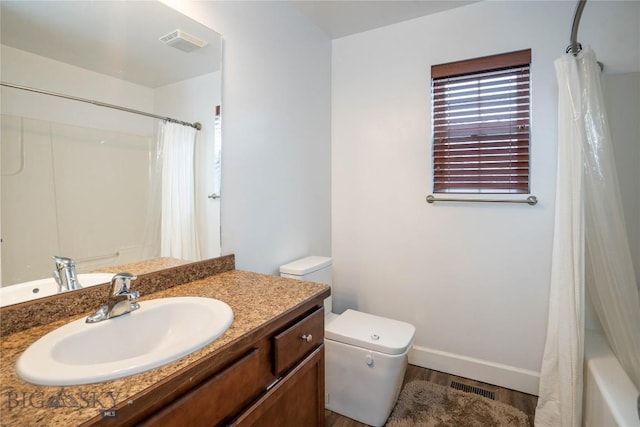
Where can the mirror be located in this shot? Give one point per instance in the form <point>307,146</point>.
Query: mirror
<point>75,177</point>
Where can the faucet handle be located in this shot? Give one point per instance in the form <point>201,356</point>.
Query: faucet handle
<point>121,283</point>
<point>62,262</point>
<point>121,300</point>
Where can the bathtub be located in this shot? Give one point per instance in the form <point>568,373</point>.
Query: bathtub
<point>41,288</point>
<point>610,398</point>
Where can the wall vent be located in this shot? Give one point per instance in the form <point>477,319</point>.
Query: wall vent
<point>183,41</point>
<point>489,394</point>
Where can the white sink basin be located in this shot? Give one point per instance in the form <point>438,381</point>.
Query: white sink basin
<point>27,291</point>
<point>159,332</point>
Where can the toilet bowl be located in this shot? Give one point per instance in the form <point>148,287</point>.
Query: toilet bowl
<point>366,356</point>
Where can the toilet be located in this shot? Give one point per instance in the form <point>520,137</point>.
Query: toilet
<point>365,355</point>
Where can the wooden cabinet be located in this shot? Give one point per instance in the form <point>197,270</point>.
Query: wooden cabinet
<point>296,400</point>
<point>224,394</point>
<point>275,378</point>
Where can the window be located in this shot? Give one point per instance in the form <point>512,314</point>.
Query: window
<point>481,124</point>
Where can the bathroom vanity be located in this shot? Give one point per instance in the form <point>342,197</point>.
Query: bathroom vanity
<point>267,369</point>
<point>273,379</point>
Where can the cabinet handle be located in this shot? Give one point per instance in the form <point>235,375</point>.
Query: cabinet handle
<point>307,338</point>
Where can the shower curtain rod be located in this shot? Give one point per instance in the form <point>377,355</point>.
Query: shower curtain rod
<point>575,46</point>
<point>195,125</point>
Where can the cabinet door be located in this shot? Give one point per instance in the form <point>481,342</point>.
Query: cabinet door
<point>220,397</point>
<point>296,400</point>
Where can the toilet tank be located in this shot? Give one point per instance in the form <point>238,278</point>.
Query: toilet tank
<point>311,269</point>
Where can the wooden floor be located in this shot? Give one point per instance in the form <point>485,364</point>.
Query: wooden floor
<point>524,402</point>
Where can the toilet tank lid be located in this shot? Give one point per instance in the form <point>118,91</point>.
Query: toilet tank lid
<point>305,265</point>
<point>371,332</point>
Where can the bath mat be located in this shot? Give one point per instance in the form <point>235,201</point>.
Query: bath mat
<point>426,404</point>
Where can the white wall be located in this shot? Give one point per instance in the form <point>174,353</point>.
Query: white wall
<point>622,97</point>
<point>276,90</point>
<point>24,68</point>
<point>473,279</point>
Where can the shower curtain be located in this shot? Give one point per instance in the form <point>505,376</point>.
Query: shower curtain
<point>178,232</point>
<point>591,248</point>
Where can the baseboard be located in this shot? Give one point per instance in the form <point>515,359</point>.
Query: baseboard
<point>498,374</point>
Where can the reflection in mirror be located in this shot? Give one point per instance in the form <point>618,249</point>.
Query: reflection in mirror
<point>77,179</point>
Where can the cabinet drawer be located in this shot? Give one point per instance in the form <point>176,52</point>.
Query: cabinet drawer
<point>289,346</point>
<point>217,399</point>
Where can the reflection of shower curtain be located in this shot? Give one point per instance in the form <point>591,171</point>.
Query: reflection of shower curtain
<point>178,217</point>
<point>588,207</point>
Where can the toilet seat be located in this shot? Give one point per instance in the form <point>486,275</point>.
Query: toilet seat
<point>370,332</point>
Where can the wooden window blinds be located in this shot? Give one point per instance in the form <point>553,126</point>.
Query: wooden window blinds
<point>481,124</point>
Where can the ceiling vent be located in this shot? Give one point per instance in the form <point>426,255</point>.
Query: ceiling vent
<point>183,41</point>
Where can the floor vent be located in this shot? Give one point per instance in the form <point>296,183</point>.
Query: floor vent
<point>489,394</point>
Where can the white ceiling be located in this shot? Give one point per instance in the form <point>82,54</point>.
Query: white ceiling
<point>116,38</point>
<point>339,18</point>
<point>120,38</point>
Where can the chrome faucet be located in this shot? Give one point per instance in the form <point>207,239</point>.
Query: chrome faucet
<point>65,274</point>
<point>121,299</point>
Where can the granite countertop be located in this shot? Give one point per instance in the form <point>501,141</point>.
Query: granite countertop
<point>143,267</point>
<point>255,299</point>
